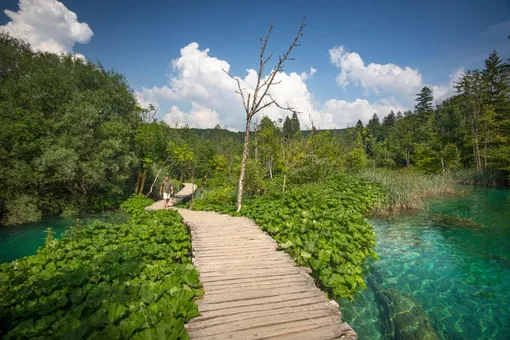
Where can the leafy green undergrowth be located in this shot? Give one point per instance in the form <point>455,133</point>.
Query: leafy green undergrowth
<point>128,281</point>
<point>320,225</point>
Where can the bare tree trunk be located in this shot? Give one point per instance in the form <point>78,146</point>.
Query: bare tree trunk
<point>156,178</point>
<point>142,184</point>
<point>271,167</point>
<point>284,182</point>
<point>485,147</point>
<point>408,154</point>
<point>476,151</point>
<point>243,164</point>
<point>192,185</point>
<point>138,179</point>
<point>255,140</point>
<point>442,164</point>
<point>261,98</point>
<point>202,186</point>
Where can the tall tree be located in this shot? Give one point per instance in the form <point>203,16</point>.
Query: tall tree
<point>423,106</point>
<point>295,127</point>
<point>261,98</point>
<point>269,143</point>
<point>470,87</point>
<point>374,126</point>
<point>287,128</point>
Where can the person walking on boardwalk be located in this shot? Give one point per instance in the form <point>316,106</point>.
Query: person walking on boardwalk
<point>167,190</point>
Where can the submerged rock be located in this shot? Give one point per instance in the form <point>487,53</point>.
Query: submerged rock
<point>450,221</point>
<point>404,318</point>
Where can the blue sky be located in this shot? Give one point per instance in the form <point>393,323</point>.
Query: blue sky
<point>436,40</point>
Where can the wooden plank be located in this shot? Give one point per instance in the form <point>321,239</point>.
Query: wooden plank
<point>255,293</point>
<point>205,306</point>
<point>252,290</point>
<point>258,285</point>
<point>301,302</point>
<point>275,329</point>
<point>230,318</point>
<point>248,275</point>
<point>243,281</point>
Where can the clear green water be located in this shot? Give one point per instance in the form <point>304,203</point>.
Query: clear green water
<point>19,241</point>
<point>456,279</point>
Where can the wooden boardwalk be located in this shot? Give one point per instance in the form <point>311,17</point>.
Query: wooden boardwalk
<point>187,190</point>
<point>253,291</point>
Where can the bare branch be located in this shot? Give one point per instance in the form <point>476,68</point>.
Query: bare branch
<point>263,61</point>
<point>240,92</point>
<point>265,105</point>
<point>287,108</point>
<point>267,80</point>
<point>279,66</point>
<point>273,101</point>
<point>267,59</point>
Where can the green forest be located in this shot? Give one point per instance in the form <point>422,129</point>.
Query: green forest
<point>467,131</point>
<point>75,139</point>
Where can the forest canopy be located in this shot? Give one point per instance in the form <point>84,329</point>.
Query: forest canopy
<point>75,139</point>
<point>67,134</point>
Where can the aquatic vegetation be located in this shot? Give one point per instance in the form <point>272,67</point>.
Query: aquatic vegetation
<point>444,220</point>
<point>407,189</point>
<point>132,280</point>
<point>320,225</point>
<point>403,317</point>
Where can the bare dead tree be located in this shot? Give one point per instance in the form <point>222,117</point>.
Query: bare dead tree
<point>255,128</point>
<point>261,97</point>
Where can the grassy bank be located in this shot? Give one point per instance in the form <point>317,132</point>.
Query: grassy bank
<point>407,190</point>
<point>131,281</point>
<point>320,225</point>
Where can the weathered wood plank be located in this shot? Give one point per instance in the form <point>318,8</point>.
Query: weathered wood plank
<point>252,290</point>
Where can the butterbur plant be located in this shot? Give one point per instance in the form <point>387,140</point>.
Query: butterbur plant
<point>49,242</point>
<point>76,230</point>
<point>105,281</point>
<point>322,226</point>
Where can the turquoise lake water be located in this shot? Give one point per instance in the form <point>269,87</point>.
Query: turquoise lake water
<point>443,282</point>
<point>23,240</point>
<point>451,282</point>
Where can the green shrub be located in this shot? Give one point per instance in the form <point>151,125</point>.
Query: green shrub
<point>70,210</point>
<point>473,176</point>
<point>254,183</point>
<point>135,205</point>
<point>21,209</point>
<point>311,169</point>
<point>220,181</point>
<point>130,281</point>
<point>219,199</point>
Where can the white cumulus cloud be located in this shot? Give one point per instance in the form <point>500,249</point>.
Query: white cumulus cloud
<point>197,78</point>
<point>442,92</point>
<point>308,75</point>
<point>340,113</point>
<point>376,77</point>
<point>47,25</point>
<point>199,116</point>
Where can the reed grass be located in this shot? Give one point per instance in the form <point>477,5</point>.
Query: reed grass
<point>407,189</point>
